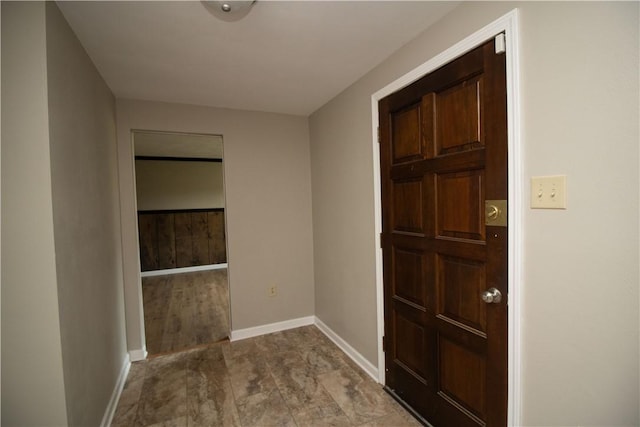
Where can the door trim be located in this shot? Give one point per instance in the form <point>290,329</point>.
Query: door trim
<point>508,24</point>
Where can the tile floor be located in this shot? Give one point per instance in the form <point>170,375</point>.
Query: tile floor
<point>291,378</point>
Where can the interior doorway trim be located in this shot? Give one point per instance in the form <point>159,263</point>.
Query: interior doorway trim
<point>507,24</point>
<point>129,152</point>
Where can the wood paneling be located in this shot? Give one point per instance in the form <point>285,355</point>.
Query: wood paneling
<point>217,240</point>
<point>148,239</point>
<point>170,239</point>
<point>166,240</point>
<point>200,238</point>
<point>184,249</point>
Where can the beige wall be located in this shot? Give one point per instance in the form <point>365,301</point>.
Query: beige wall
<point>63,337</point>
<point>579,72</point>
<point>32,375</point>
<point>179,185</point>
<point>86,219</point>
<point>268,207</point>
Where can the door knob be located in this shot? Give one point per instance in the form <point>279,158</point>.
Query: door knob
<point>492,295</point>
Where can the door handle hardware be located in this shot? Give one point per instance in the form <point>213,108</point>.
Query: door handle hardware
<point>492,212</point>
<point>495,213</point>
<point>492,296</point>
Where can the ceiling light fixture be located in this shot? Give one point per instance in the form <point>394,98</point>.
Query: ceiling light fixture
<point>229,10</point>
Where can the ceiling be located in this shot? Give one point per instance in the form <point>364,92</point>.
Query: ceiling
<point>284,56</point>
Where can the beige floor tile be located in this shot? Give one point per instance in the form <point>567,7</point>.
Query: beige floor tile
<point>164,392</point>
<point>211,404</point>
<point>324,358</point>
<point>305,337</point>
<point>291,378</point>
<point>265,410</point>
<point>327,415</point>
<point>396,420</point>
<point>274,343</point>
<point>174,422</point>
<point>249,375</point>
<point>361,400</point>
<point>235,349</point>
<point>128,404</point>
<point>300,387</point>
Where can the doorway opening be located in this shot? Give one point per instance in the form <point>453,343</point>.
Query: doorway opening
<point>182,239</point>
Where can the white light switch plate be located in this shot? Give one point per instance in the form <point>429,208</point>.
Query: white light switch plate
<point>549,192</point>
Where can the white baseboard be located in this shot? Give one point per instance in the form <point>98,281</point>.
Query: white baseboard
<point>183,270</point>
<point>138,355</point>
<point>359,359</point>
<point>242,334</point>
<point>117,391</point>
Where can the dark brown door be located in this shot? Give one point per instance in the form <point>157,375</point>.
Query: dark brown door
<point>443,154</point>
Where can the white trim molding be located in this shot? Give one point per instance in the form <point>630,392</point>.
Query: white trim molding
<point>107,418</point>
<point>358,358</point>
<point>183,270</point>
<point>138,355</point>
<point>256,331</point>
<point>507,24</point>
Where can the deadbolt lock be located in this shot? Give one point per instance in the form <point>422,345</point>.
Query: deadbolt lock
<point>495,213</point>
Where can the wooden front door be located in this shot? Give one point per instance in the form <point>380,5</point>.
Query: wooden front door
<point>443,145</point>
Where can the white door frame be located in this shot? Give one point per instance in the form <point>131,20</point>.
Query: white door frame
<point>507,24</point>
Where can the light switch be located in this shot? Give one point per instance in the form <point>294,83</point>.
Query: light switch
<point>549,192</point>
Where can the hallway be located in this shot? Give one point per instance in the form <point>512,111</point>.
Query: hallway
<point>296,377</point>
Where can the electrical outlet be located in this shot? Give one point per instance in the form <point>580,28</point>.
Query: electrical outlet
<point>272,291</point>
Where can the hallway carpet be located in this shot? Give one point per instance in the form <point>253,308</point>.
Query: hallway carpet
<point>185,310</point>
<point>296,377</point>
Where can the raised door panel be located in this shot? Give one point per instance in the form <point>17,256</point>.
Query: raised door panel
<point>464,389</point>
<point>460,205</point>
<point>408,212</point>
<point>411,348</point>
<point>409,276</point>
<point>407,140</point>
<point>460,283</point>
<point>458,126</point>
